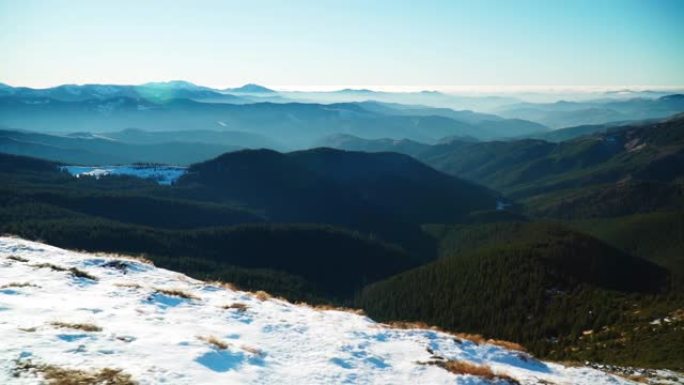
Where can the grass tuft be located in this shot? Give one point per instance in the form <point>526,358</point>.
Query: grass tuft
<point>55,375</point>
<point>114,256</point>
<point>78,273</point>
<point>238,306</point>
<point>18,285</point>
<point>177,293</point>
<point>50,266</point>
<point>256,351</point>
<point>224,285</point>
<point>466,368</point>
<point>17,258</point>
<point>127,285</point>
<point>81,274</point>
<point>408,325</point>
<point>477,339</point>
<point>262,295</point>
<point>214,341</point>
<point>324,307</point>
<point>507,345</point>
<point>77,326</point>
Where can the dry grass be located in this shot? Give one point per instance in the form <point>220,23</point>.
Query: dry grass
<point>223,285</point>
<point>81,274</point>
<point>18,285</point>
<point>463,367</point>
<point>50,266</point>
<point>136,258</point>
<point>73,271</point>
<point>324,307</point>
<point>262,295</point>
<point>55,375</point>
<point>177,293</point>
<point>466,368</point>
<point>239,306</point>
<point>214,342</point>
<point>253,350</point>
<point>638,378</point>
<point>29,330</point>
<point>507,345</point>
<point>127,285</point>
<point>475,338</point>
<point>77,326</point>
<point>17,258</point>
<point>409,325</point>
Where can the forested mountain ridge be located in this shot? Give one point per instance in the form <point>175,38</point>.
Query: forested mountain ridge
<point>543,285</point>
<point>627,158</point>
<point>293,124</point>
<point>213,222</point>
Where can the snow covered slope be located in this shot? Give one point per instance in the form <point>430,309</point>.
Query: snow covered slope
<point>162,174</point>
<point>69,310</point>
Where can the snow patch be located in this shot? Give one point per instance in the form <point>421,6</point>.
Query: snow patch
<point>165,175</point>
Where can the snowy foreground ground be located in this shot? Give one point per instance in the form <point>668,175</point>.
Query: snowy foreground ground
<point>160,338</point>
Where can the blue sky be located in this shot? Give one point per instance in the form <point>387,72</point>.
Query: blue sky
<point>345,42</point>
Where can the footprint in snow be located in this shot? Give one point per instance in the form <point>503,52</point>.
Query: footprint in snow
<point>221,360</point>
<point>165,301</point>
<point>359,353</point>
<point>72,337</point>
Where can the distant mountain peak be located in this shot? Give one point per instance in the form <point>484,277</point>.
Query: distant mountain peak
<point>174,84</point>
<point>673,97</point>
<point>251,88</point>
<point>356,91</point>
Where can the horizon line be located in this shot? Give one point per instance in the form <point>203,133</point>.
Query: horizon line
<point>478,89</point>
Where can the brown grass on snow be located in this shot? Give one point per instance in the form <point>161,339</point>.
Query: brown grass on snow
<point>18,285</point>
<point>50,266</point>
<point>253,350</point>
<point>409,325</point>
<point>475,338</point>
<point>177,293</point>
<point>55,375</point>
<point>214,341</point>
<point>81,274</point>
<point>467,368</point>
<point>224,285</point>
<point>135,258</point>
<point>73,271</point>
<point>324,307</point>
<point>239,306</point>
<point>262,295</point>
<point>128,285</point>
<point>507,345</point>
<point>17,258</point>
<point>77,326</point>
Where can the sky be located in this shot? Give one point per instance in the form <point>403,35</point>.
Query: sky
<point>322,43</point>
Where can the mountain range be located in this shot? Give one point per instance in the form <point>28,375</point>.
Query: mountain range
<point>567,242</point>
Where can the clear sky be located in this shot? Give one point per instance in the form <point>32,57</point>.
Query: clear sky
<point>344,42</point>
